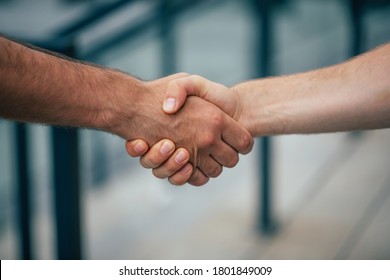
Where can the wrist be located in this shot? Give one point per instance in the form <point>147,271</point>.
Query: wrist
<point>262,106</point>
<point>248,100</point>
<point>121,97</point>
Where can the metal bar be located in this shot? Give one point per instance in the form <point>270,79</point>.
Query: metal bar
<point>24,193</point>
<point>66,175</point>
<point>168,46</point>
<point>263,52</point>
<point>67,189</point>
<point>67,193</point>
<point>356,40</point>
<point>97,14</point>
<point>356,12</point>
<point>146,22</point>
<point>65,149</point>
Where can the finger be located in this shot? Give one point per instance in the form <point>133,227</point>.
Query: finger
<point>236,136</point>
<point>198,178</point>
<point>158,154</point>
<point>173,164</point>
<point>179,89</point>
<point>182,176</point>
<point>225,155</point>
<point>210,167</point>
<point>136,148</point>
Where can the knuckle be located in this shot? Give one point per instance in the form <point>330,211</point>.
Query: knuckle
<point>215,171</point>
<point>182,74</point>
<point>153,161</point>
<point>207,140</point>
<point>150,161</point>
<point>202,182</point>
<point>158,174</point>
<point>144,163</point>
<point>217,118</point>
<point>172,84</point>
<point>233,160</point>
<point>199,81</point>
<point>176,181</point>
<point>246,144</point>
<point>197,180</point>
<point>171,168</point>
<point>196,78</point>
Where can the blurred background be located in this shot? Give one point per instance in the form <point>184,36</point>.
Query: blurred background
<point>71,194</point>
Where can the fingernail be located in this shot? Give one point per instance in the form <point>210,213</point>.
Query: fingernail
<point>169,104</point>
<point>180,157</point>
<point>165,148</point>
<point>186,169</point>
<point>139,148</point>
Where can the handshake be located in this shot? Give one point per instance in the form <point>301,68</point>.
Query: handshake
<point>185,127</point>
<point>204,127</point>
<point>40,86</point>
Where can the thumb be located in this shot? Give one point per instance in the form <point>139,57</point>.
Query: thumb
<point>179,89</point>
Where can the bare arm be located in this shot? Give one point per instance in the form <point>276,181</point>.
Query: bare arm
<point>354,95</point>
<point>43,88</point>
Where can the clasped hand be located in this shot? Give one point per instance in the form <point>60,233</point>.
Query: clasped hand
<point>199,136</point>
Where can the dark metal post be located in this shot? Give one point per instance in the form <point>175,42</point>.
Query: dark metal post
<point>356,12</point>
<point>67,190</point>
<point>168,46</point>
<point>23,192</point>
<point>356,40</point>
<point>263,51</point>
<point>67,193</point>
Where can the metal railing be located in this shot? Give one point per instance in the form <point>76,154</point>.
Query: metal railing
<point>65,142</point>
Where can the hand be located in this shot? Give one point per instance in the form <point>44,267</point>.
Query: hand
<point>165,165</point>
<point>211,136</point>
<point>225,98</point>
<point>166,162</point>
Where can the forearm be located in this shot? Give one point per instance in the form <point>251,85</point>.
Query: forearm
<point>354,95</point>
<point>39,87</point>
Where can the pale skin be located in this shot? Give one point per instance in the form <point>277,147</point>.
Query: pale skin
<point>354,95</point>
<point>41,87</point>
